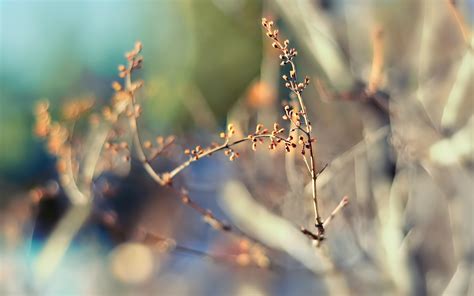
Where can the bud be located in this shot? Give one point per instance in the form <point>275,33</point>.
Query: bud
<point>116,86</point>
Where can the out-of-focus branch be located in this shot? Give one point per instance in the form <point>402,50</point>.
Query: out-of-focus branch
<point>345,158</point>
<point>463,27</point>
<point>377,62</point>
<point>461,89</point>
<point>454,150</point>
<point>344,201</point>
<point>270,229</point>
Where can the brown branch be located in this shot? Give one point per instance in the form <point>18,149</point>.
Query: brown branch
<point>224,146</point>
<point>286,57</point>
<point>165,179</point>
<point>317,236</point>
<point>162,149</point>
<point>164,244</point>
<point>207,214</point>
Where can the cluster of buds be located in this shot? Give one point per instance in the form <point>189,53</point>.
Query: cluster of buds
<point>134,53</point>
<point>120,95</point>
<point>109,115</point>
<point>74,109</point>
<point>57,144</point>
<point>293,85</point>
<point>305,144</point>
<point>135,60</point>
<point>251,253</point>
<point>259,131</point>
<point>286,57</point>
<point>277,130</point>
<point>134,110</point>
<point>162,144</point>
<point>292,115</point>
<point>56,134</point>
<point>287,54</point>
<point>274,136</point>
<point>231,153</point>
<point>43,119</point>
<point>120,148</point>
<point>194,153</point>
<point>134,86</point>
<point>230,132</point>
<point>289,144</point>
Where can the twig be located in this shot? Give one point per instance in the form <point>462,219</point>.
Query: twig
<point>287,55</point>
<point>317,237</point>
<point>224,146</point>
<point>162,149</point>
<point>165,179</point>
<point>207,214</point>
<point>344,201</point>
<point>164,244</point>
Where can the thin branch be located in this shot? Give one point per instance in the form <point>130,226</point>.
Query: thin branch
<point>317,236</point>
<point>162,149</point>
<point>165,244</point>
<point>207,214</point>
<point>170,175</point>
<point>344,201</point>
<point>297,88</point>
<point>166,178</point>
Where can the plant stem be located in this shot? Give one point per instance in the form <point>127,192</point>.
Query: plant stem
<point>224,146</point>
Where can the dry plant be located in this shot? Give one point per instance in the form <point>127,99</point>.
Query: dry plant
<point>107,148</point>
<point>412,150</point>
<point>426,141</point>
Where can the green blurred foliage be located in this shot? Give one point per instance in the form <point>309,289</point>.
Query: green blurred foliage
<point>62,50</point>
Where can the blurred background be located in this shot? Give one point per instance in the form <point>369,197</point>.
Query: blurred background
<point>403,152</point>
